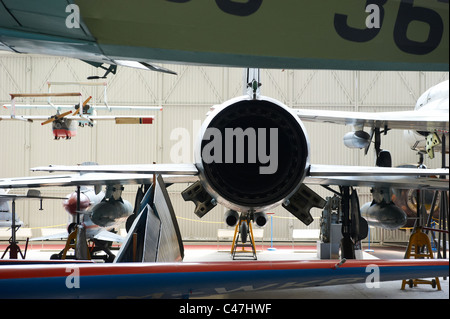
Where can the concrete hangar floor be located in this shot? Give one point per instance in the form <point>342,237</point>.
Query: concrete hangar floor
<point>198,252</point>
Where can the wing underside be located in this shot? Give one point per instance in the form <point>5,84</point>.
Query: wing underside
<point>430,121</point>
<point>109,236</point>
<point>181,280</point>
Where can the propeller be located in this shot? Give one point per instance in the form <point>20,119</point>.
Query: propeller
<point>84,104</point>
<point>59,116</point>
<point>56,117</point>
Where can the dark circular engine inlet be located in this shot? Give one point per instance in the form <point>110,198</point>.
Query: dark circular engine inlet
<point>260,127</point>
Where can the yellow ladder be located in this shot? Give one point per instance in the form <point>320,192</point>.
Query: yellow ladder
<point>72,243</point>
<point>419,240</point>
<point>236,244</point>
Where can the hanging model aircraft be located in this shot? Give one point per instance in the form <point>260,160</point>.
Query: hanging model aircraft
<point>64,125</point>
<point>273,168</point>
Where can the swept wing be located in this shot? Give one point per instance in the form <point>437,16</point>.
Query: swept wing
<point>143,174</point>
<point>429,121</point>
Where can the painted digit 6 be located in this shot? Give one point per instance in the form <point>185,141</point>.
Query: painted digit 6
<point>408,13</point>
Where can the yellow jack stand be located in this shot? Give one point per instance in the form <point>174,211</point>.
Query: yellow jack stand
<point>72,243</point>
<point>235,244</point>
<point>419,239</point>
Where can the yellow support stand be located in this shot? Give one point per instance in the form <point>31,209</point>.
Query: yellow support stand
<point>419,240</point>
<point>72,243</point>
<point>235,244</point>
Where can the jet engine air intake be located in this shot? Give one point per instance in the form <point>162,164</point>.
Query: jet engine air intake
<point>252,154</point>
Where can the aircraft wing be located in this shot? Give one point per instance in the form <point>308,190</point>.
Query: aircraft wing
<point>26,118</point>
<point>87,179</point>
<point>378,177</point>
<point>109,236</point>
<point>57,236</point>
<point>430,121</point>
<point>346,36</point>
<point>95,107</point>
<point>30,195</point>
<point>119,119</point>
<point>102,235</point>
<point>175,169</point>
<point>184,280</point>
<point>106,175</point>
<point>182,173</point>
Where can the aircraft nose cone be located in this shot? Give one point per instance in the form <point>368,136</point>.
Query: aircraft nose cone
<point>70,204</point>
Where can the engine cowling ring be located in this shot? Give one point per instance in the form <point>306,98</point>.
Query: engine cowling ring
<point>243,186</point>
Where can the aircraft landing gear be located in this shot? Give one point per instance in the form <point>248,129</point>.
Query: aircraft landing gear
<point>243,232</point>
<point>354,227</point>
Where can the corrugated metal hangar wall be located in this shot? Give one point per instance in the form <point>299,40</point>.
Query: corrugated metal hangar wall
<point>185,99</point>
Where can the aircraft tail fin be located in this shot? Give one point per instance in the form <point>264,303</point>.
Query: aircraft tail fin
<point>154,235</point>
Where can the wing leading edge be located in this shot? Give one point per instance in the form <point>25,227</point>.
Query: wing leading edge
<point>429,121</point>
<point>378,177</point>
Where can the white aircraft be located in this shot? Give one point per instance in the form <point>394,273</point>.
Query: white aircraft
<point>434,100</point>
<point>423,126</point>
